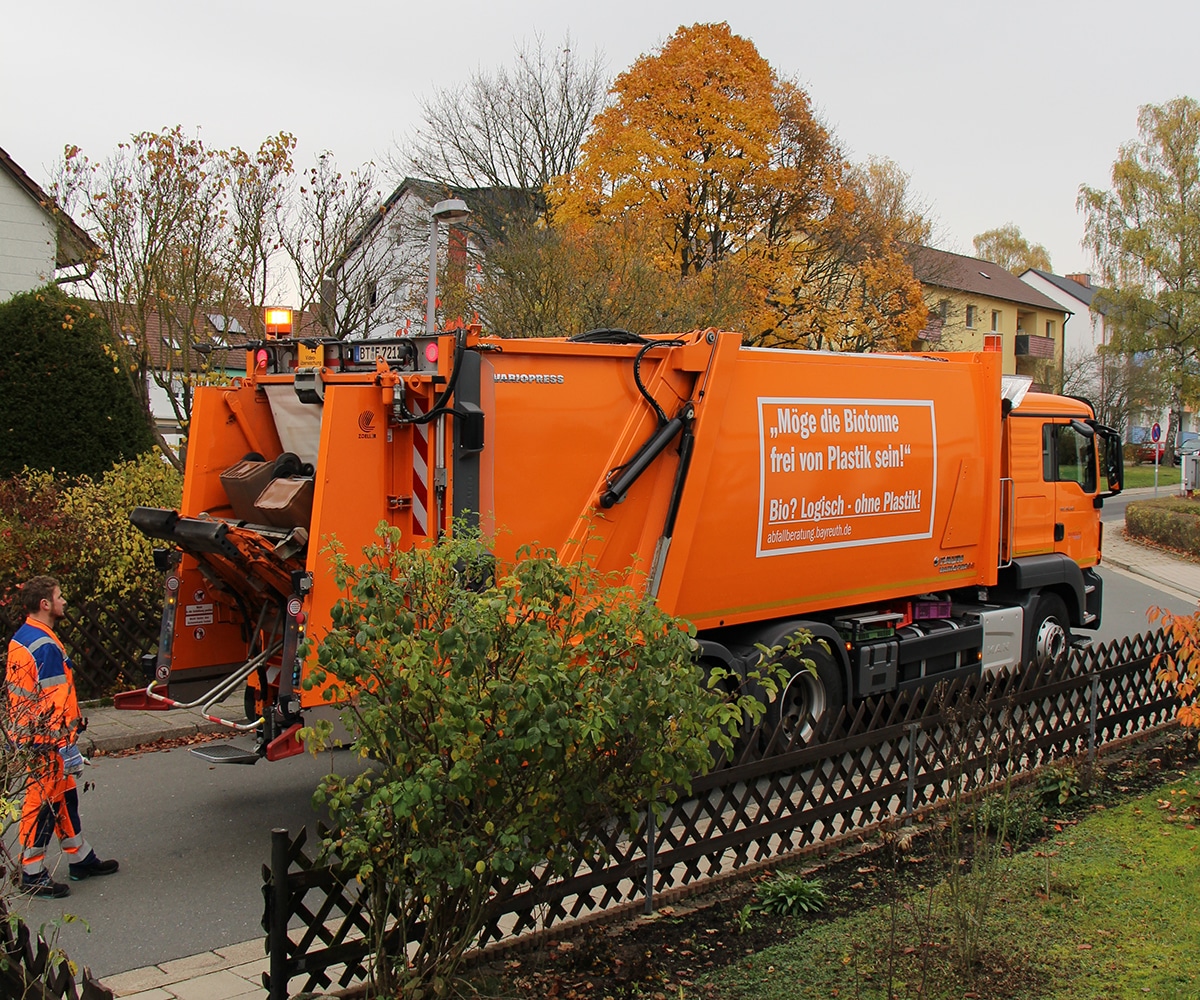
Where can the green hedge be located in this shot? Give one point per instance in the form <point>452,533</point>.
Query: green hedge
<point>1173,522</point>
<point>65,404</point>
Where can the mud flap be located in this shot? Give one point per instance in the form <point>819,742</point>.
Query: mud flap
<point>139,701</point>
<point>286,744</point>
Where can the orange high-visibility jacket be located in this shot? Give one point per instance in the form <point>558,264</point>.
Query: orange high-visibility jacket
<point>41,688</point>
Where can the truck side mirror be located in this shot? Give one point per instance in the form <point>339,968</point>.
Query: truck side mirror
<point>1114,458</point>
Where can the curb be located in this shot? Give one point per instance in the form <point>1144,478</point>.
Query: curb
<point>1144,574</point>
<point>114,743</point>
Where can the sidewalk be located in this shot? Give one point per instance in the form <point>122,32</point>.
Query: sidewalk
<point>235,972</point>
<point>1154,565</point>
<point>109,730</point>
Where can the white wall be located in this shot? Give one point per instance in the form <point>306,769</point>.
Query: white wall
<point>28,240</point>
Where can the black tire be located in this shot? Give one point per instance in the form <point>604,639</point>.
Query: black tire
<point>1049,635</point>
<point>286,466</point>
<point>810,702</point>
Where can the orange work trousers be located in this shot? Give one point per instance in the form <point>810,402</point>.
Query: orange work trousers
<point>51,807</point>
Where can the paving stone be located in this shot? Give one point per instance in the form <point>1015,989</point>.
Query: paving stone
<point>136,981</point>
<point>193,965</point>
<point>247,951</point>
<point>154,994</point>
<point>253,970</point>
<point>220,985</point>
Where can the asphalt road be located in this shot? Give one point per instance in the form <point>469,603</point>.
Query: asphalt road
<point>1126,600</point>
<point>192,839</point>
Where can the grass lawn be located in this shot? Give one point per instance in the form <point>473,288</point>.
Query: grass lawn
<point>1137,476</point>
<point>1106,909</point>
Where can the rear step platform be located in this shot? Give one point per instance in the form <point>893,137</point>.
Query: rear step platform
<point>226,753</point>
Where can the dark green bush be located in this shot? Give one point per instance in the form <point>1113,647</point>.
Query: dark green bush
<point>1173,522</point>
<point>65,403</point>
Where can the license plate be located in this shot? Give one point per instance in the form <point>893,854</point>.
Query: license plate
<point>374,352</point>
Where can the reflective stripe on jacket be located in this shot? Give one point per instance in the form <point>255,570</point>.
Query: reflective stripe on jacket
<point>41,689</point>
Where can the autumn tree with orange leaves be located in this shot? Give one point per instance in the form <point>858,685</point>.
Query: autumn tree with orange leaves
<point>729,173</point>
<point>1179,667</point>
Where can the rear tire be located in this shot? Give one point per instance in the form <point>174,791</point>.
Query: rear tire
<point>810,702</point>
<point>1050,636</point>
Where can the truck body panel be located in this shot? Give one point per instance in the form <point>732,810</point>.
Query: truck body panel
<point>749,491</point>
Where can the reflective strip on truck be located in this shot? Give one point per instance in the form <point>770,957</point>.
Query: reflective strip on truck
<point>420,464</point>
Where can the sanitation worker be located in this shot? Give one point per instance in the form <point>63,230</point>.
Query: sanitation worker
<point>44,723</point>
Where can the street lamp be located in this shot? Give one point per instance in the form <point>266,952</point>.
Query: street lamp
<point>450,210</point>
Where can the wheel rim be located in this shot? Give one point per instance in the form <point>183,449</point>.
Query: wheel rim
<point>1051,643</point>
<point>801,706</point>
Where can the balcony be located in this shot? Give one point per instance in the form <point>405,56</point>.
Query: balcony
<point>933,330</point>
<point>1034,347</point>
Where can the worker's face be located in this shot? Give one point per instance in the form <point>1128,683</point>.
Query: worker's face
<point>56,606</point>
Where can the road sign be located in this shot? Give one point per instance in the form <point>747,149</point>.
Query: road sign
<point>1155,432</point>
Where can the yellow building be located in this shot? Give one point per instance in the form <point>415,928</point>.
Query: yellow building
<point>975,305</point>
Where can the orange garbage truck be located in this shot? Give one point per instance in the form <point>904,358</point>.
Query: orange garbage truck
<point>923,514</point>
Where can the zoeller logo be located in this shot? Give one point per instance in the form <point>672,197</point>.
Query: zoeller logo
<point>366,424</point>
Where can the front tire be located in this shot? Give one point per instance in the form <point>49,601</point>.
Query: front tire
<point>1050,635</point>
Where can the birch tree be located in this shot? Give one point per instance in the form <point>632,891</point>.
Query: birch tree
<point>1145,234</point>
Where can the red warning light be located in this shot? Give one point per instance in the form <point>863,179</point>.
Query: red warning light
<point>431,352</point>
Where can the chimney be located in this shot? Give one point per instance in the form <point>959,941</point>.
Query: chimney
<point>1082,279</point>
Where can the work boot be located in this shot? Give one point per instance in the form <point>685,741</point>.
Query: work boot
<point>92,865</point>
<point>42,884</point>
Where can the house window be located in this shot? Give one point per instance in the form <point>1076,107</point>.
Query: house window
<point>944,309</point>
<point>1050,328</point>
<point>995,321</point>
<point>970,317</point>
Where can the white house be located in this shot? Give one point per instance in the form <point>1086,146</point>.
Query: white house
<point>38,242</point>
<point>1087,328</point>
<point>378,286</point>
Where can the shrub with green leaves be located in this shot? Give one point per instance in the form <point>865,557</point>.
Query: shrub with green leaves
<point>65,402</point>
<point>77,529</point>
<point>514,713</point>
<point>1012,815</point>
<point>789,896</point>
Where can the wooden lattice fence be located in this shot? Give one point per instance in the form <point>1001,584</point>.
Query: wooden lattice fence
<point>891,757</point>
<point>107,641</point>
<point>30,968</point>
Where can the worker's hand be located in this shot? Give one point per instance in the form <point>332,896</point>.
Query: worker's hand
<point>73,760</point>
<point>81,725</point>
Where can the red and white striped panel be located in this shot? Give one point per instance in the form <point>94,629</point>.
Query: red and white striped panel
<point>420,474</point>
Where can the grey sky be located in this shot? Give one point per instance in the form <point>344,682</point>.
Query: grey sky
<point>998,111</point>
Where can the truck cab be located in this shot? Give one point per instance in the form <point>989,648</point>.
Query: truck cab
<point>1058,464</point>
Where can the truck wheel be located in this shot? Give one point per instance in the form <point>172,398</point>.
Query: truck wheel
<point>1050,637</point>
<point>809,703</point>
